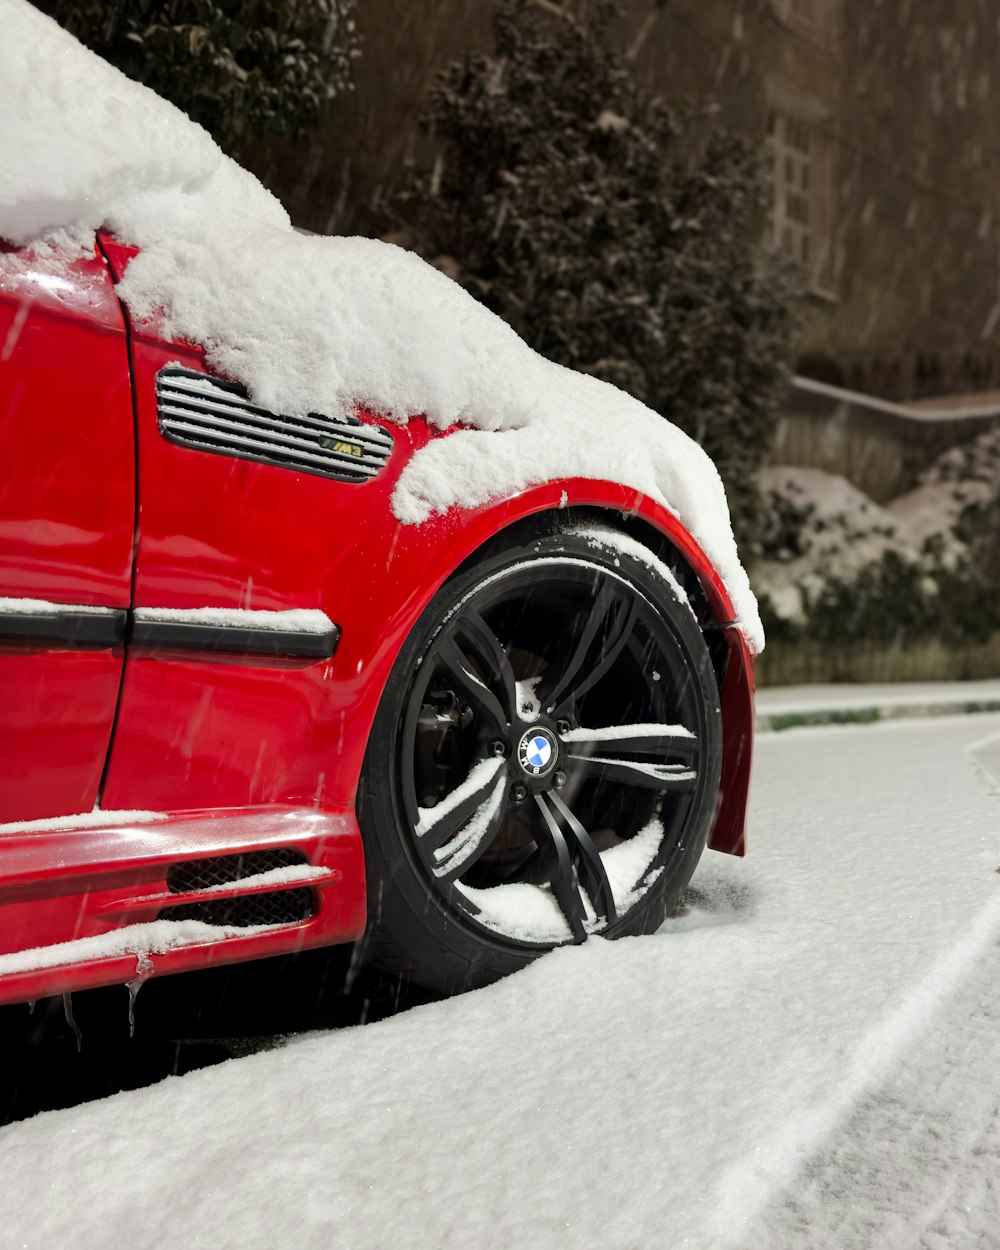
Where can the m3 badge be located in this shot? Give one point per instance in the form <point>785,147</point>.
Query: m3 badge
<point>340,445</point>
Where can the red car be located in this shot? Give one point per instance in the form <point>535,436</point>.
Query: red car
<point>286,717</point>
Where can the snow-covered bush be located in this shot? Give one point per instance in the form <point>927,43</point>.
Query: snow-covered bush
<point>965,484</point>
<point>615,234</point>
<point>837,567</point>
<point>241,70</point>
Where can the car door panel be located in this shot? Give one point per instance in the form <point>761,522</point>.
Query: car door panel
<point>208,729</point>
<point>67,520</point>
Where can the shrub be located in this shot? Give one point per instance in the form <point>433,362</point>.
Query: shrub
<point>840,569</point>
<point>617,235</point>
<point>240,69</point>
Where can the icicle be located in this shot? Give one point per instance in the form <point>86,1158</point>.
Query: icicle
<point>133,988</point>
<point>67,1001</point>
<point>143,971</point>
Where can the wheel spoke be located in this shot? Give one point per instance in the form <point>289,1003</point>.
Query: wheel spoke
<point>438,825</point>
<point>484,701</point>
<point>618,617</point>
<point>610,651</point>
<point>590,866</point>
<point>595,617</point>
<point>456,857</point>
<point>641,773</point>
<point>561,872</point>
<point>637,739</point>
<point>489,650</point>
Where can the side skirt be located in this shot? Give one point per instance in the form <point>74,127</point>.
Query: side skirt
<point>115,896</point>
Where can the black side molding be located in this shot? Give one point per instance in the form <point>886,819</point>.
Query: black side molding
<point>232,639</point>
<point>73,629</point>
<point>65,628</point>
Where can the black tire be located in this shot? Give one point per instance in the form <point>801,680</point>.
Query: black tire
<point>600,640</point>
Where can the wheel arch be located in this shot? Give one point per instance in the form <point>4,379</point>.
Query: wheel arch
<point>465,537</point>
<point>671,543</point>
<point>548,521</point>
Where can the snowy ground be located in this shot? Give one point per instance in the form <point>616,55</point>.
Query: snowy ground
<point>810,1057</point>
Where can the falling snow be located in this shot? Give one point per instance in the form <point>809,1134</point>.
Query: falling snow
<point>327,324</point>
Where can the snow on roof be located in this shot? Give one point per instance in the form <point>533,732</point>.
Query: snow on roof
<point>80,142</point>
<point>308,323</point>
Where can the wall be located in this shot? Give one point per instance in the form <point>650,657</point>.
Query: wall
<point>879,446</point>
<point>901,99</point>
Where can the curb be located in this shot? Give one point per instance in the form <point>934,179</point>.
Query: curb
<point>775,722</point>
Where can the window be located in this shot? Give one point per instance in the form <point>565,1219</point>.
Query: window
<point>799,219</point>
<point>789,222</point>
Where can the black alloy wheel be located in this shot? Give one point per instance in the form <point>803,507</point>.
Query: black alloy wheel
<point>544,764</point>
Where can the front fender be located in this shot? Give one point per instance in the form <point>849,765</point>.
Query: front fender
<point>421,558</point>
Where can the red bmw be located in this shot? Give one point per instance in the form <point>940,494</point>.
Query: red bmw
<point>246,709</point>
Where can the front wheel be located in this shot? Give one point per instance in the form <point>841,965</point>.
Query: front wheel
<point>544,764</point>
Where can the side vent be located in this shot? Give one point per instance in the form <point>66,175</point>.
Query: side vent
<point>197,411</point>
<point>277,906</point>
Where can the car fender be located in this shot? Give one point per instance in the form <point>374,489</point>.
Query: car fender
<point>425,556</point>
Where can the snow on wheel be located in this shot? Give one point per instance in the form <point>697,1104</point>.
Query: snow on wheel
<point>544,765</point>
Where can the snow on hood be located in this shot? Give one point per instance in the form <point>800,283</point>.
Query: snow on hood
<point>317,324</point>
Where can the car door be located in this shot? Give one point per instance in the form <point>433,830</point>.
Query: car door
<point>214,711</point>
<point>67,522</point>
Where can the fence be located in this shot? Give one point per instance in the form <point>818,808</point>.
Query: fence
<point>799,663</point>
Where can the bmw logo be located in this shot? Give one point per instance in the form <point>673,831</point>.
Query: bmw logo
<point>536,752</point>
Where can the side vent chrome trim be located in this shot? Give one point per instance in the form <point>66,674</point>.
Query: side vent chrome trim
<point>194,410</point>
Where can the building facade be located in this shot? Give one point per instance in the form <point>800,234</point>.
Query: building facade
<point>878,119</point>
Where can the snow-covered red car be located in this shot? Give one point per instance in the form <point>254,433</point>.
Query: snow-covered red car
<point>327,608</point>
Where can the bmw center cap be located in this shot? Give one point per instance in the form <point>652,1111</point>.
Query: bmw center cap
<point>536,752</point>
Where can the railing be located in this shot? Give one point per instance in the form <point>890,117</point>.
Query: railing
<point>879,446</point>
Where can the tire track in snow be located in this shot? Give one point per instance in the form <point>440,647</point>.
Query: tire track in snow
<point>985,755</point>
<point>917,1163</point>
<point>810,1144</point>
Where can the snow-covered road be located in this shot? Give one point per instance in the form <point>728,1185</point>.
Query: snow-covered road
<point>810,1057</point>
